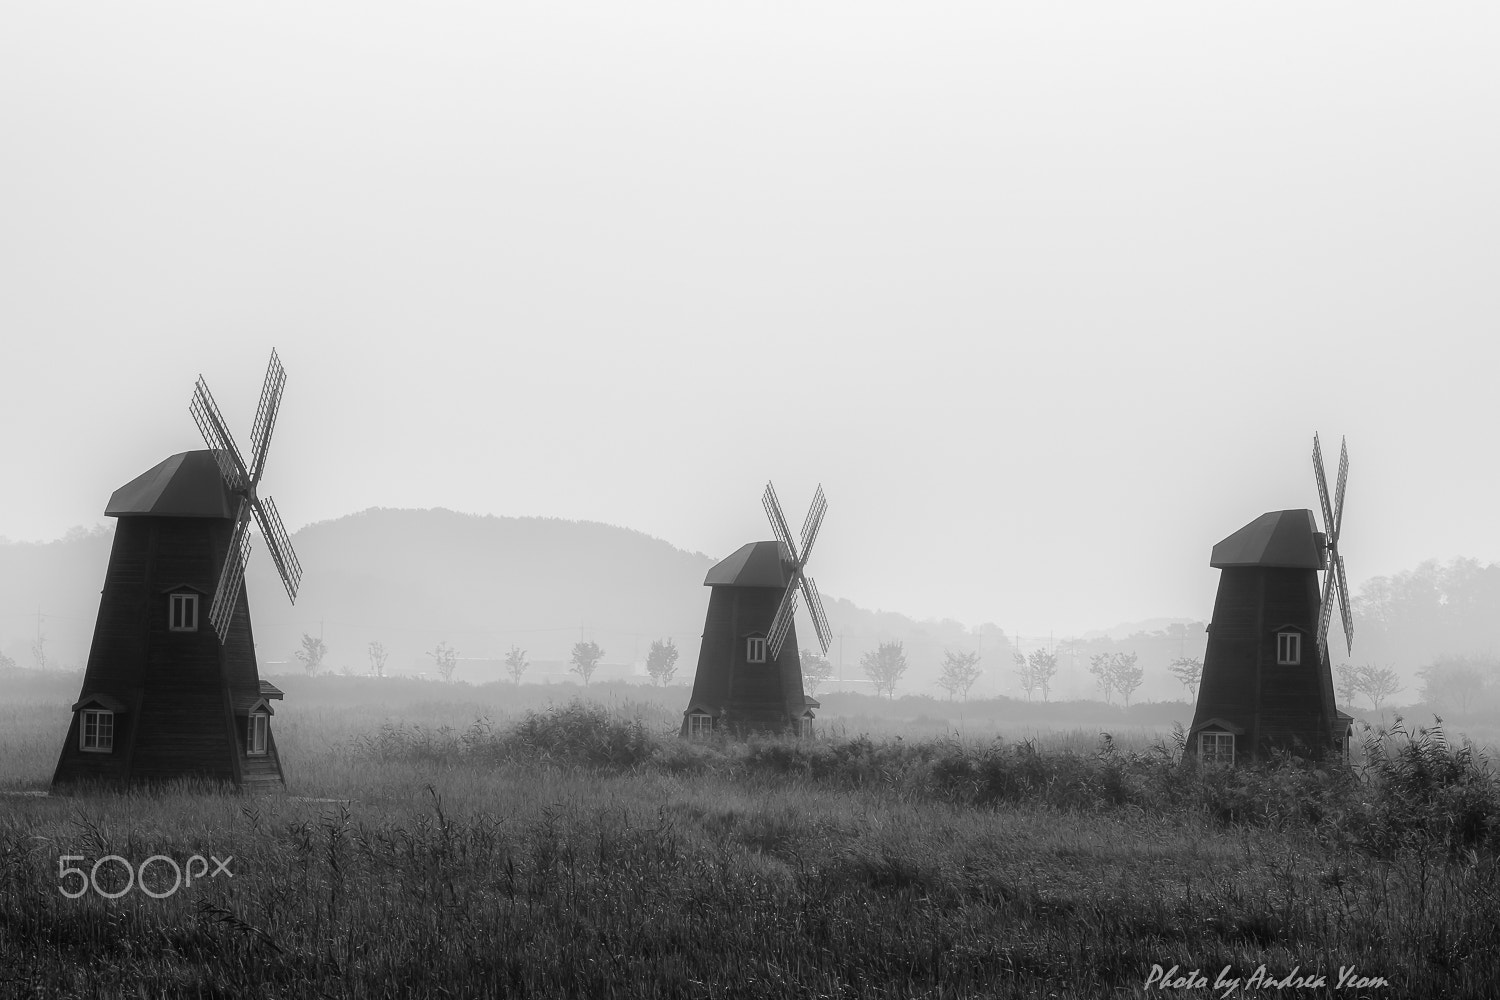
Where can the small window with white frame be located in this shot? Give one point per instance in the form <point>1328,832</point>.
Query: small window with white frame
<point>1216,748</point>
<point>1288,648</point>
<point>255,734</point>
<point>184,617</point>
<point>96,731</point>
<point>755,649</point>
<point>700,726</point>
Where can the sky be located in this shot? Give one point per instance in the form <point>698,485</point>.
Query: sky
<point>1049,298</point>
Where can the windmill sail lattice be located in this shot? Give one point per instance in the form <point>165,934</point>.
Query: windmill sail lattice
<point>1334,578</point>
<point>243,480</point>
<point>799,584</point>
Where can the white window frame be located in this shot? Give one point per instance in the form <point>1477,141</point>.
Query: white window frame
<point>102,739</point>
<point>700,725</point>
<point>183,613</point>
<point>1218,741</point>
<point>257,734</point>
<point>1288,649</point>
<point>755,649</point>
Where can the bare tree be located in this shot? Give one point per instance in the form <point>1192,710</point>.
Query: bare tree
<point>586,657</point>
<point>378,656</point>
<point>515,663</point>
<point>312,652</point>
<point>1127,676</point>
<point>1102,666</point>
<point>1043,668</point>
<point>39,649</point>
<point>1189,671</point>
<point>1347,684</point>
<point>1377,684</point>
<point>960,671</point>
<point>661,661</point>
<point>1029,682</point>
<point>816,670</point>
<point>445,659</point>
<point>885,666</point>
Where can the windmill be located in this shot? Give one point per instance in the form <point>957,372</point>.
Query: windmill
<point>749,676</point>
<point>1333,521</point>
<point>1267,679</point>
<point>164,697</point>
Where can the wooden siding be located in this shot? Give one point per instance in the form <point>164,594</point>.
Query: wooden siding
<point>1279,706</point>
<point>752,697</point>
<point>180,685</point>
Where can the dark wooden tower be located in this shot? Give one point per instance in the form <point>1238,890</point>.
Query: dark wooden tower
<point>749,675</point>
<point>1267,679</point>
<point>165,695</point>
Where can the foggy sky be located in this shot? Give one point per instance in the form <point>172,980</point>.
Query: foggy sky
<point>1049,299</point>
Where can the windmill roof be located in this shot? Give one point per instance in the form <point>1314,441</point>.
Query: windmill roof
<point>757,564</point>
<point>1283,538</point>
<point>186,485</point>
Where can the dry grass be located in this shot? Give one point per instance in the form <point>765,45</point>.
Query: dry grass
<point>578,851</point>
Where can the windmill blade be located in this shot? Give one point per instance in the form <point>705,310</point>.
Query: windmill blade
<point>1322,486</point>
<point>782,623</point>
<point>1325,611</point>
<point>216,435</point>
<point>813,522</point>
<point>816,613</point>
<point>772,504</point>
<point>265,416</point>
<point>232,576</point>
<point>1344,609</point>
<point>1338,497</point>
<point>279,545</point>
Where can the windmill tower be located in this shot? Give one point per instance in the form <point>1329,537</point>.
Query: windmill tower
<point>171,688</point>
<point>1267,678</point>
<point>749,675</point>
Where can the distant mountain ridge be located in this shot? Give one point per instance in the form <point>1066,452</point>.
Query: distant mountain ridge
<point>413,578</point>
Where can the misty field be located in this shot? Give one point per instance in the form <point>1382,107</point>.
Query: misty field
<point>580,849</point>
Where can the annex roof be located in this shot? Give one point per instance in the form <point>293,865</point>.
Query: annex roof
<point>1287,539</point>
<point>757,564</point>
<point>186,485</point>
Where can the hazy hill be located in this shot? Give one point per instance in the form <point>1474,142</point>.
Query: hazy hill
<point>414,578</point>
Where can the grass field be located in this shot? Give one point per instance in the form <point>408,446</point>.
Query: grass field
<point>576,849</point>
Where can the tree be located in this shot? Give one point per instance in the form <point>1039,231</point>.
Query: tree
<point>885,666</point>
<point>1029,681</point>
<point>312,652</point>
<point>445,659</point>
<point>378,656</point>
<point>515,663</point>
<point>960,671</point>
<point>1127,675</point>
<point>1189,671</point>
<point>1377,684</point>
<point>1102,666</point>
<point>816,670</point>
<point>1347,685</point>
<point>39,650</point>
<point>1451,682</point>
<point>661,661</point>
<point>1043,668</point>
<point>586,657</point>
